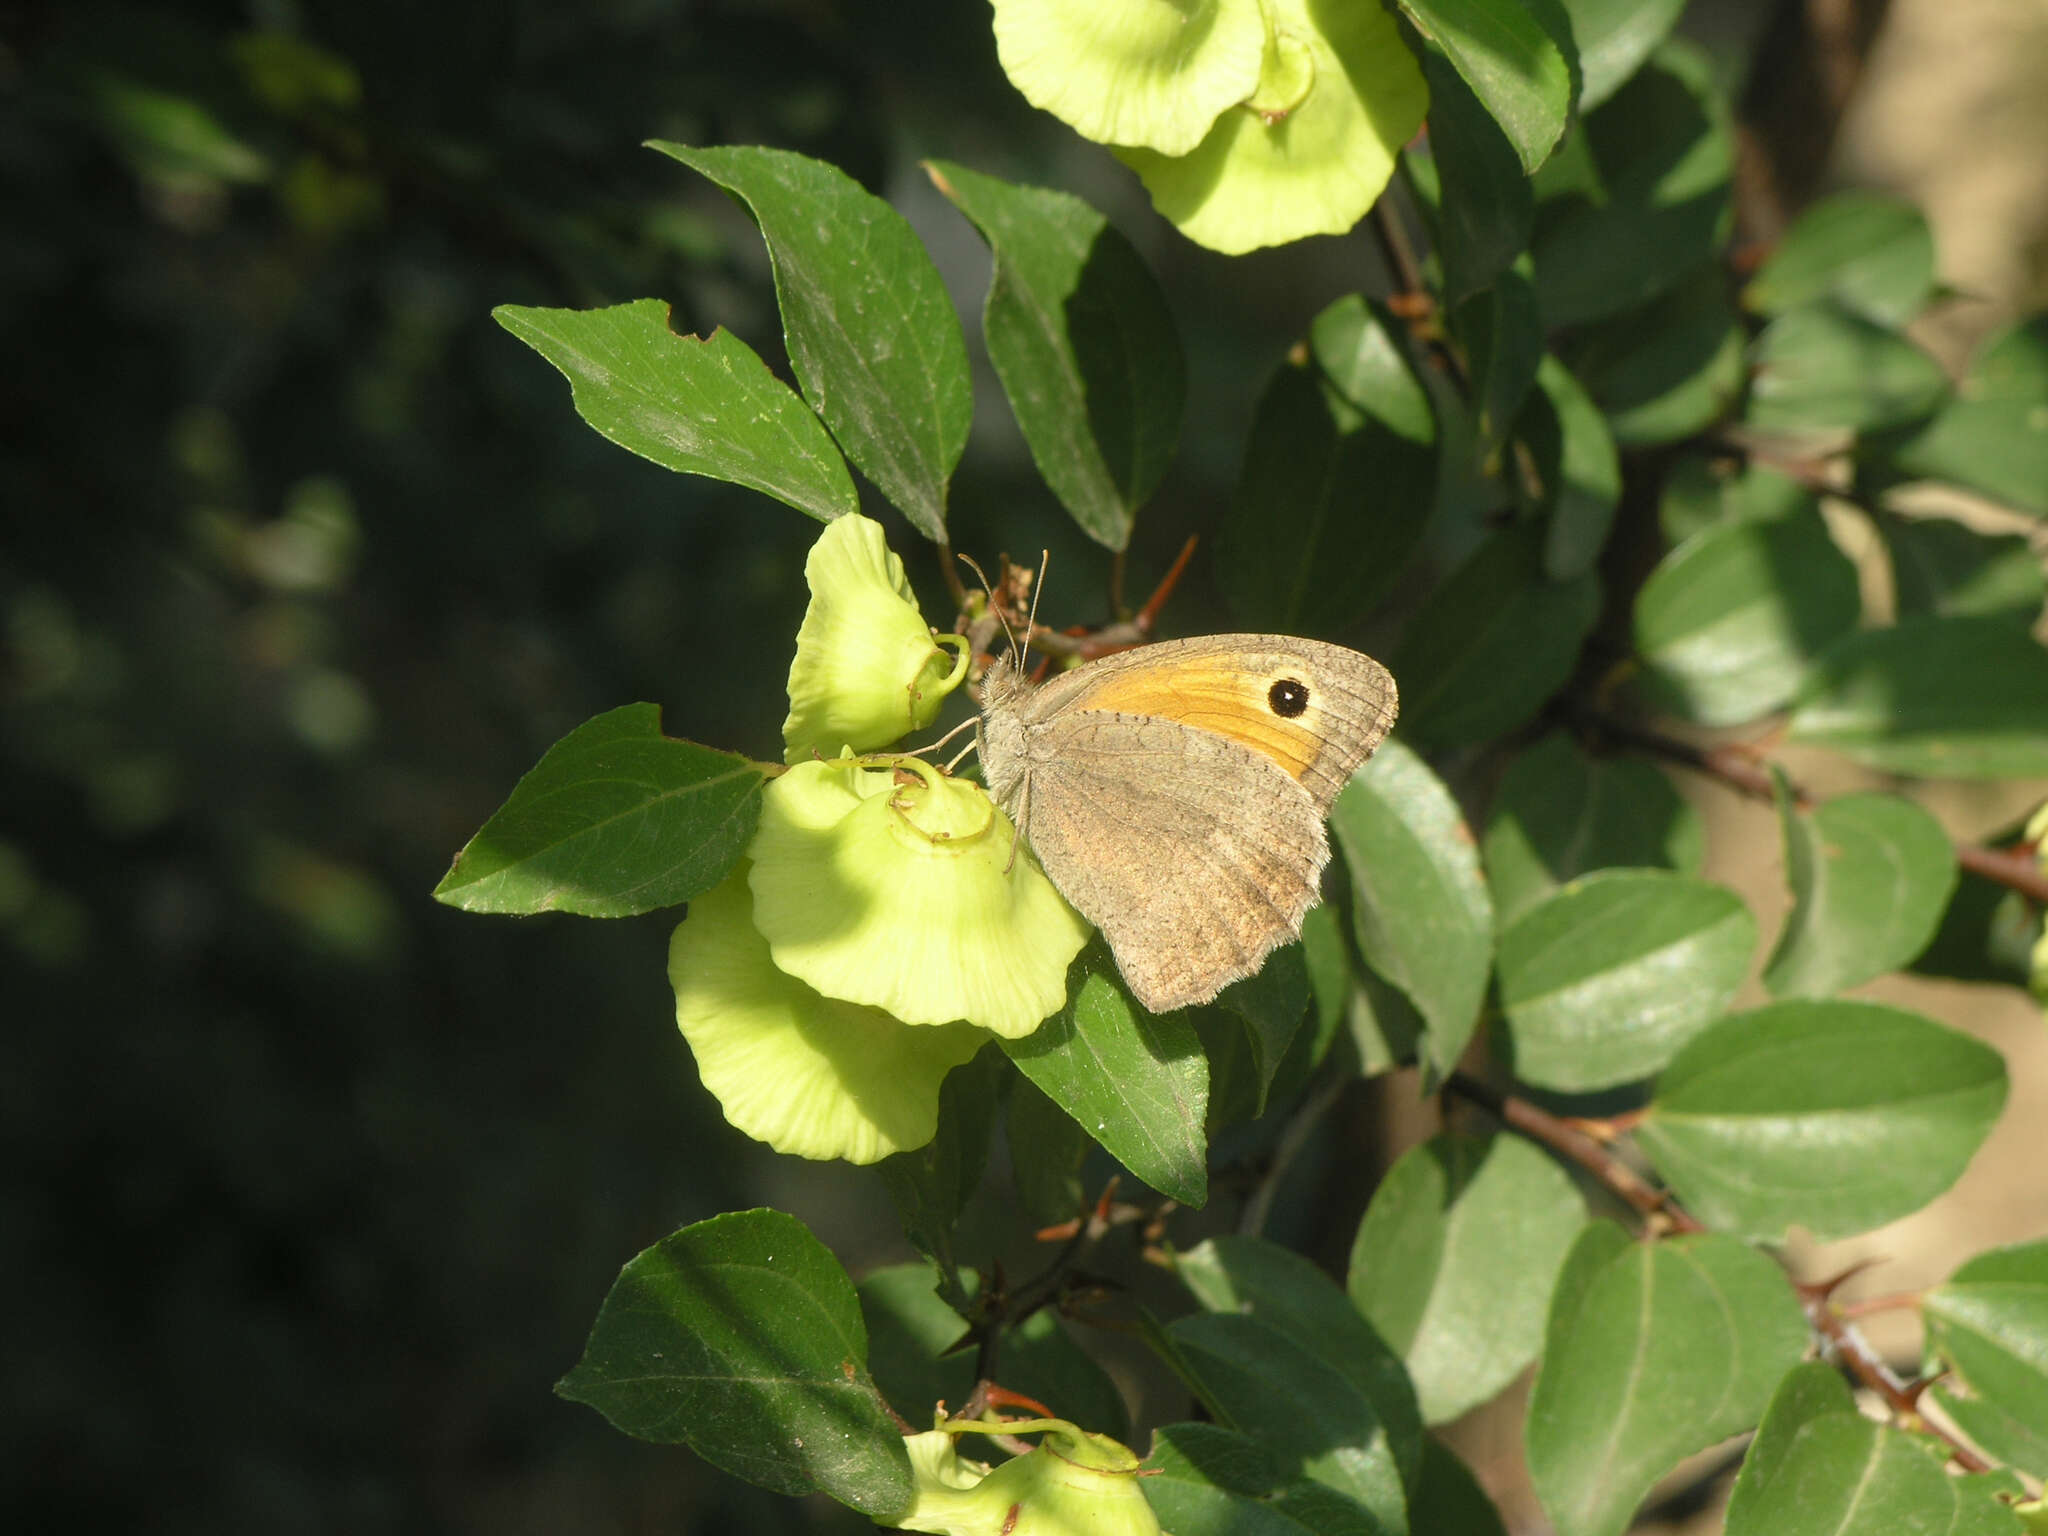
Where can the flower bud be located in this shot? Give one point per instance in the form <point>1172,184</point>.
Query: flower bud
<point>1073,1484</point>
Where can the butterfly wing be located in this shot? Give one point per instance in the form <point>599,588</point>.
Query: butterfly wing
<point>1316,710</point>
<point>1194,854</point>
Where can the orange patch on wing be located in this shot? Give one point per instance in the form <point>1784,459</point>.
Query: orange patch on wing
<point>1227,702</point>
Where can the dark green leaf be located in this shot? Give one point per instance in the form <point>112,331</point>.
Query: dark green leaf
<point>1360,350</point>
<point>932,1184</point>
<point>1271,1002</point>
<point>1255,1278</point>
<point>1867,251</point>
<point>1810,1391</point>
<point>1485,209</point>
<point>1502,335</point>
<point>1835,1116</point>
<point>1455,1259</point>
<point>1662,152</point>
<point>1514,67</point>
<point>1993,437</point>
<point>1701,491</point>
<point>742,1337</point>
<point>1821,368</point>
<point>1559,814</point>
<point>615,819</point>
<point>1495,641</point>
<point>1989,1323</point>
<point>701,405</point>
<point>1614,37</point>
<point>1080,335</point>
<point>1670,1347</point>
<point>1870,877</point>
<point>1329,506</point>
<point>1987,934</point>
<point>1452,1502</point>
<point>1731,622</point>
<point>1205,1480</point>
<point>1137,1082</point>
<point>1941,567</point>
<point>1047,1151</point>
<point>1842,1475</point>
<point>870,328</point>
<point>1667,370</point>
<point>1380,1023</point>
<point>1962,698</point>
<point>1604,979</point>
<point>1313,1418</point>
<point>1580,471</point>
<point>1419,905</point>
<point>911,1334</point>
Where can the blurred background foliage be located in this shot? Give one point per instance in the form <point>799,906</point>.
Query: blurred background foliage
<point>312,1186</point>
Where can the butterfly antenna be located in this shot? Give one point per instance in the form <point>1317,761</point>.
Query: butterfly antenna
<point>994,607</point>
<point>1031,619</point>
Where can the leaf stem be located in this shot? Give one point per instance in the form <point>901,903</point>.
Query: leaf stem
<point>1864,1363</point>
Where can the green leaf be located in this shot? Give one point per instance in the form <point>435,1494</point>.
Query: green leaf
<point>1455,1260</point>
<point>1271,1003</point>
<point>1502,334</point>
<point>699,405</point>
<point>911,1334</point>
<point>1731,622</point>
<point>932,1184</point>
<point>1700,492</point>
<point>1867,251</point>
<point>1255,1278</point>
<point>1987,934</point>
<point>871,331</point>
<point>1614,37</point>
<point>1452,1502</point>
<point>1670,1347</point>
<point>1419,905</point>
<point>1989,1323</point>
<point>1667,370</point>
<point>1205,1480</point>
<point>1363,354</point>
<point>1081,337</point>
<point>1048,1149</point>
<point>1809,1392</point>
<point>1837,1116</point>
<point>1993,437</point>
<point>1514,67</point>
<point>1493,643</point>
<point>1485,209</point>
<point>1963,698</point>
<point>1662,152</point>
<point>1559,814</point>
<point>1821,368</point>
<point>742,1337</point>
<point>615,819</point>
<point>1137,1082</point>
<point>1606,978</point>
<point>1313,1419</point>
<point>1330,504</point>
<point>1870,877</point>
<point>1842,1475</point>
<point>1942,567</point>
<point>1382,1025</point>
<point>2001,1436</point>
<point>1581,474</point>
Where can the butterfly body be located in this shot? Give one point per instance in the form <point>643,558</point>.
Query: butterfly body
<point>1176,794</point>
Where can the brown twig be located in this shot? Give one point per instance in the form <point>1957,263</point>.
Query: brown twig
<point>1864,1363</point>
<point>1570,1140</point>
<point>2016,870</point>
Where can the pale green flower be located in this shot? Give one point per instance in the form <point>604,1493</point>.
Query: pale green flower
<point>1074,1484</point>
<point>884,882</point>
<point>1156,73</point>
<point>808,1075</point>
<point>1312,148</point>
<point>868,670</point>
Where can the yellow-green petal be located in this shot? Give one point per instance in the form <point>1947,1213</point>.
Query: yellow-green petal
<point>1155,73</point>
<point>867,670</point>
<point>1073,1482</point>
<point>810,1076</point>
<point>1318,169</point>
<point>885,883</point>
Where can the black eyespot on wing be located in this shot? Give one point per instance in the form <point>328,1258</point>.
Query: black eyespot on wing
<point>1287,698</point>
